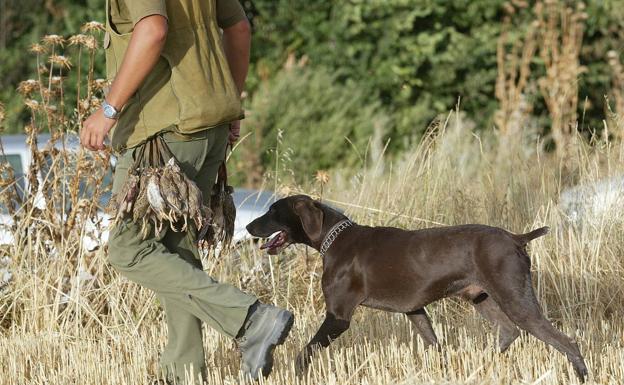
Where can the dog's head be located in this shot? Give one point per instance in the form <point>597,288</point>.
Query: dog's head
<point>295,219</point>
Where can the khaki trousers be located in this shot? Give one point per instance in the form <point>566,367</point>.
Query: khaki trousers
<point>169,264</point>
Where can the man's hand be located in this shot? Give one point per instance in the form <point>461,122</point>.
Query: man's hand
<point>234,132</point>
<point>95,129</point>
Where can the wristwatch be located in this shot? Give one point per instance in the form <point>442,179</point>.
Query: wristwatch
<point>109,111</point>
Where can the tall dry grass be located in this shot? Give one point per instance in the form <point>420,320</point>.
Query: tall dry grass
<point>77,321</point>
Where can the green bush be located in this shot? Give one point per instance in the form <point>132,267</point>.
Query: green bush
<point>307,117</point>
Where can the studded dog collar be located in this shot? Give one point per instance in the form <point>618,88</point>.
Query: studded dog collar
<point>333,233</point>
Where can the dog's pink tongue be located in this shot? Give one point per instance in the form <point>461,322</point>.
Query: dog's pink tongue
<point>271,243</point>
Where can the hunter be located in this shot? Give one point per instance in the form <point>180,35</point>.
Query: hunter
<point>177,70</point>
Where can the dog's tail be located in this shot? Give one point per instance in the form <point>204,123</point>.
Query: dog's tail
<point>523,239</point>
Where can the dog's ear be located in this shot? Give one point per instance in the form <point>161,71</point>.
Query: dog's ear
<point>311,217</point>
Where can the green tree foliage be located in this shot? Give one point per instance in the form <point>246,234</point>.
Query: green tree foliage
<point>413,59</point>
<point>604,32</point>
<point>417,57</point>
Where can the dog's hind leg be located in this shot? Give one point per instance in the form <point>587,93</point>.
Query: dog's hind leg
<point>516,298</point>
<point>422,324</point>
<point>507,331</point>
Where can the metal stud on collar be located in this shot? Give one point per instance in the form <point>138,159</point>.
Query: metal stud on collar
<point>333,233</point>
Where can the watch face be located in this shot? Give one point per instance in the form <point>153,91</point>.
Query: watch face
<point>109,111</point>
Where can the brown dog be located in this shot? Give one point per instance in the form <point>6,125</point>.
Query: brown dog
<point>403,271</point>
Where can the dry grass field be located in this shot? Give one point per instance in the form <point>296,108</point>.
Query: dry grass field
<point>67,318</point>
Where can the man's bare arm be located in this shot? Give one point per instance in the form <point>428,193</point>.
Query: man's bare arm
<point>237,44</point>
<point>146,45</point>
<point>144,49</point>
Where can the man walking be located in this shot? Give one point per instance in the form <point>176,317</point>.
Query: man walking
<point>178,68</point>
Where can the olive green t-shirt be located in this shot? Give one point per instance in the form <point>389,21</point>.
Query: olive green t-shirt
<point>125,14</point>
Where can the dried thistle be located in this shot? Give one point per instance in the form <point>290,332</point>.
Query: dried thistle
<point>37,48</point>
<point>46,93</point>
<point>91,43</point>
<point>95,102</point>
<point>53,40</point>
<point>84,105</point>
<point>29,129</point>
<point>27,87</point>
<point>60,60</point>
<point>87,41</point>
<point>77,39</point>
<point>92,26</point>
<point>322,177</point>
<point>100,84</point>
<point>32,104</point>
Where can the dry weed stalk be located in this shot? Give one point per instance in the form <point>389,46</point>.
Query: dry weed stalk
<point>8,185</point>
<point>514,69</point>
<point>322,178</point>
<point>63,184</point>
<point>57,174</point>
<point>561,35</point>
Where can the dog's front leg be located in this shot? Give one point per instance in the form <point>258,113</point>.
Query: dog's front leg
<point>331,328</point>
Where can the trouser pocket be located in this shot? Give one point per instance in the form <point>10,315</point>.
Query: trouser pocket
<point>126,246</point>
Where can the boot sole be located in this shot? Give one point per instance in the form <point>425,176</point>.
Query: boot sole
<point>277,338</point>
